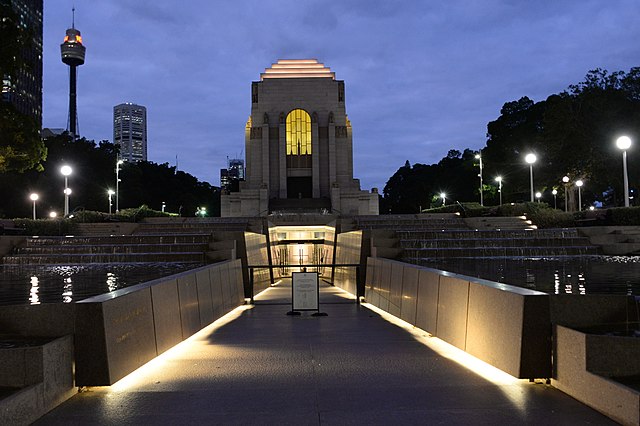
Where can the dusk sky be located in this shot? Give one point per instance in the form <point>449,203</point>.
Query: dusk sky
<point>421,77</point>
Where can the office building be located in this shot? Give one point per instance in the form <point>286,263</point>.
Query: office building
<point>130,131</point>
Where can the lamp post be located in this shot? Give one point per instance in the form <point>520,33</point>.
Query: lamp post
<point>499,180</point>
<point>66,171</point>
<point>34,197</point>
<point>538,196</point>
<point>565,180</point>
<point>444,198</point>
<point>53,215</point>
<point>110,193</point>
<point>579,184</point>
<point>530,159</point>
<point>118,164</point>
<point>555,194</point>
<point>164,205</point>
<point>479,158</point>
<point>624,143</point>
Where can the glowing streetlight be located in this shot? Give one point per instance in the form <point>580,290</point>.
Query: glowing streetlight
<point>164,205</point>
<point>554,192</point>
<point>624,143</point>
<point>499,180</point>
<point>66,171</point>
<point>565,180</point>
<point>579,184</point>
<point>530,159</point>
<point>118,164</point>
<point>479,158</point>
<point>444,198</point>
<point>34,197</point>
<point>538,196</point>
<point>53,215</point>
<point>110,193</point>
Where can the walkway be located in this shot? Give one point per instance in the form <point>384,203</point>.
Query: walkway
<point>351,367</point>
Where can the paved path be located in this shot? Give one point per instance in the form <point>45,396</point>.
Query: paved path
<point>351,367</point>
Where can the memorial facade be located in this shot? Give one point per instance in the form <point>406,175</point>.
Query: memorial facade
<point>298,144</point>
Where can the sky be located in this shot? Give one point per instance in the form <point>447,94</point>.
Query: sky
<point>421,77</point>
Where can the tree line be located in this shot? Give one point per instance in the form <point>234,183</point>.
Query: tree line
<point>572,133</point>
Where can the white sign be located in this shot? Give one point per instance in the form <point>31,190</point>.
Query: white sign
<point>305,291</point>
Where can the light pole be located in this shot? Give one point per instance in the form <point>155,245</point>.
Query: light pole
<point>110,193</point>
<point>624,143</point>
<point>34,197</point>
<point>555,194</point>
<point>444,198</point>
<point>538,196</point>
<point>66,171</point>
<point>499,180</point>
<point>164,205</point>
<point>579,184</point>
<point>479,158</point>
<point>565,180</point>
<point>530,159</point>
<point>118,164</point>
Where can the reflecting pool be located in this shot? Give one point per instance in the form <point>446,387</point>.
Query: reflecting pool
<point>35,284</point>
<point>558,275</point>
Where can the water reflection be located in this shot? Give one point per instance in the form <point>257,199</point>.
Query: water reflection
<point>36,284</point>
<point>562,275</point>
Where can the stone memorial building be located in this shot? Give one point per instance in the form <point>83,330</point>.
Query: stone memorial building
<point>298,144</point>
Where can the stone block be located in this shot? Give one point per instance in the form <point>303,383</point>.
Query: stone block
<point>453,297</point>
<point>114,336</point>
<point>189,309</point>
<point>589,309</point>
<point>395,284</point>
<point>225,281</point>
<point>509,328</point>
<point>216,292</point>
<point>166,314</point>
<point>205,305</point>
<point>45,320</point>
<point>409,294</point>
<point>427,304</point>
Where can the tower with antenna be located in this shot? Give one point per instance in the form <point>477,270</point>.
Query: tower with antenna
<point>72,52</point>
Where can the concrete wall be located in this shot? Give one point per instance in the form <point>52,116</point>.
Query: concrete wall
<point>120,331</point>
<point>348,248</point>
<point>505,326</point>
<point>257,255</point>
<point>577,355</point>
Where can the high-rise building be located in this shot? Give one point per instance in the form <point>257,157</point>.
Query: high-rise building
<point>130,131</point>
<point>231,177</point>
<point>22,87</point>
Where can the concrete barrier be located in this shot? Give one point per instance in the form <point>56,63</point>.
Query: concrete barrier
<point>120,331</point>
<point>506,326</point>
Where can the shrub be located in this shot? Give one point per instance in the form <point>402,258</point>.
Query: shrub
<point>552,218</point>
<point>136,214</point>
<point>623,216</point>
<point>47,227</point>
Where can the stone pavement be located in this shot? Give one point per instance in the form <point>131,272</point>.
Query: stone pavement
<point>350,367</point>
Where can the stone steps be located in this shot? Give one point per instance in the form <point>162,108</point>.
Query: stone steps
<point>76,258</point>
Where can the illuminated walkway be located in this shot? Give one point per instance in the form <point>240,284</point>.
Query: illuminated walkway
<point>351,367</point>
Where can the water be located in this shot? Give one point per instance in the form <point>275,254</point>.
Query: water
<point>556,275</point>
<point>35,284</point>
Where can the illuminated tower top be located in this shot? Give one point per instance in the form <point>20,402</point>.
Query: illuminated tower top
<point>72,49</point>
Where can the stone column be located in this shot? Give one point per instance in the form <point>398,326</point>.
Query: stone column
<point>265,155</point>
<point>315,160</point>
<point>282,157</point>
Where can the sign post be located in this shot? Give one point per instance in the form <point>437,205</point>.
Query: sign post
<point>305,293</point>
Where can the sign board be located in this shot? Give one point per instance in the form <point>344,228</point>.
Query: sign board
<point>305,291</point>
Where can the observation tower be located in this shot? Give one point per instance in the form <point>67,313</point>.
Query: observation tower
<point>72,52</point>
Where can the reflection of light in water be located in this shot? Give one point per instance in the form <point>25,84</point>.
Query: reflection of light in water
<point>34,299</point>
<point>67,291</point>
<point>556,283</point>
<point>112,281</point>
<point>581,282</point>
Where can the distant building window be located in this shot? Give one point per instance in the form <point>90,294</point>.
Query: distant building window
<point>298,133</point>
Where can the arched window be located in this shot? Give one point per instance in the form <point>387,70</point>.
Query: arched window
<point>298,133</point>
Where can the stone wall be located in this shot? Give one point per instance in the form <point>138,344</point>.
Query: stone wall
<point>505,326</point>
<point>120,331</point>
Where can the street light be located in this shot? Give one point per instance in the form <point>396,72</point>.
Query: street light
<point>565,180</point>
<point>499,180</point>
<point>554,192</point>
<point>444,198</point>
<point>118,164</point>
<point>110,193</point>
<point>53,215</point>
<point>164,205</point>
<point>479,157</point>
<point>538,196</point>
<point>530,159</point>
<point>624,143</point>
<point>579,184</point>
<point>34,197</point>
<point>66,171</point>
